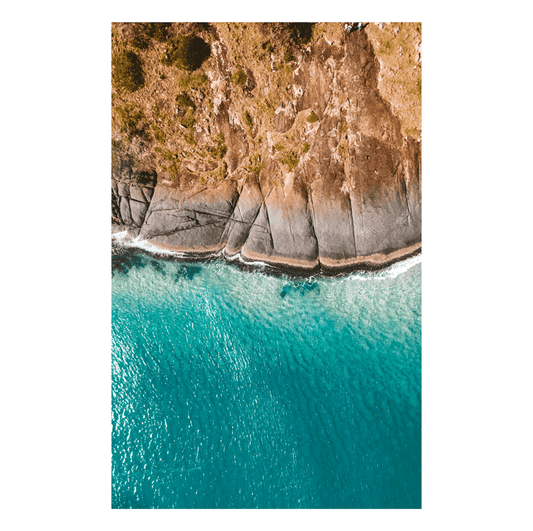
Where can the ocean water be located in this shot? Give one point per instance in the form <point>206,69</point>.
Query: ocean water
<point>240,389</point>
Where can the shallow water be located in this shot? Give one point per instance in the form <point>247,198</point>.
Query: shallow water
<point>236,389</point>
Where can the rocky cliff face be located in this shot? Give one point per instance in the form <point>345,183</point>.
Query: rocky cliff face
<point>296,161</point>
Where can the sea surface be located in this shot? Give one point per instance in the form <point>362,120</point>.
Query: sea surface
<point>242,389</point>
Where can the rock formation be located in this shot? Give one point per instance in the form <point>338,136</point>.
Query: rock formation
<point>325,179</point>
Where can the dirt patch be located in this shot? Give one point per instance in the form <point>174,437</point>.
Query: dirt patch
<point>398,49</point>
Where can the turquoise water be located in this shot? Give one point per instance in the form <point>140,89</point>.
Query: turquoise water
<point>238,389</point>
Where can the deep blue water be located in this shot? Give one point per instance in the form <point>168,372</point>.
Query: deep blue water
<point>238,389</point>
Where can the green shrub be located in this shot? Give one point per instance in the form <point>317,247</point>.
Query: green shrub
<point>185,101</point>
<point>279,146</point>
<point>157,30</point>
<point>189,138</point>
<point>416,90</point>
<point>312,117</point>
<point>130,118</point>
<point>306,147</point>
<point>188,122</point>
<point>301,32</point>
<point>287,69</point>
<point>385,47</point>
<point>158,133</point>
<point>255,164</point>
<point>167,155</point>
<point>187,52</point>
<point>290,36</point>
<point>248,120</point>
<point>267,46</point>
<point>291,160</point>
<point>222,171</point>
<point>219,151</point>
<point>173,169</point>
<point>195,80</point>
<point>128,73</point>
<point>159,114</point>
<point>140,42</point>
<point>239,77</point>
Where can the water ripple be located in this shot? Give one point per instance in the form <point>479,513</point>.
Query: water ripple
<point>235,389</point>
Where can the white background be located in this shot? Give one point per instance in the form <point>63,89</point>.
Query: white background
<point>101,14</point>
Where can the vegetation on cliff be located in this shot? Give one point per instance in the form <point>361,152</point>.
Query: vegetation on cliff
<point>128,72</point>
<point>397,47</point>
<point>187,52</point>
<point>206,102</point>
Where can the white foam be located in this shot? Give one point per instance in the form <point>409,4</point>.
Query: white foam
<point>138,243</point>
<point>237,256</point>
<point>233,257</point>
<point>390,272</point>
<point>401,267</point>
<point>254,263</point>
<point>122,237</point>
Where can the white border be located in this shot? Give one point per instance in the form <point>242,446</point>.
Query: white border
<point>431,516</point>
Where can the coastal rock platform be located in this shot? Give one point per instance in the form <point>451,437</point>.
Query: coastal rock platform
<point>318,175</point>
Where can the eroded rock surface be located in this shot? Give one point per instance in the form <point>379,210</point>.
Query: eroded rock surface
<point>326,179</point>
<point>190,220</point>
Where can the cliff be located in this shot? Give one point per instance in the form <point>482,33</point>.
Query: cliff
<point>291,144</point>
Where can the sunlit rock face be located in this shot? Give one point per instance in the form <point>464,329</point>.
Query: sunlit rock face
<point>324,179</point>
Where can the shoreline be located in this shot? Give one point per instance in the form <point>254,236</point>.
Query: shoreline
<point>328,184</point>
<point>277,266</point>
